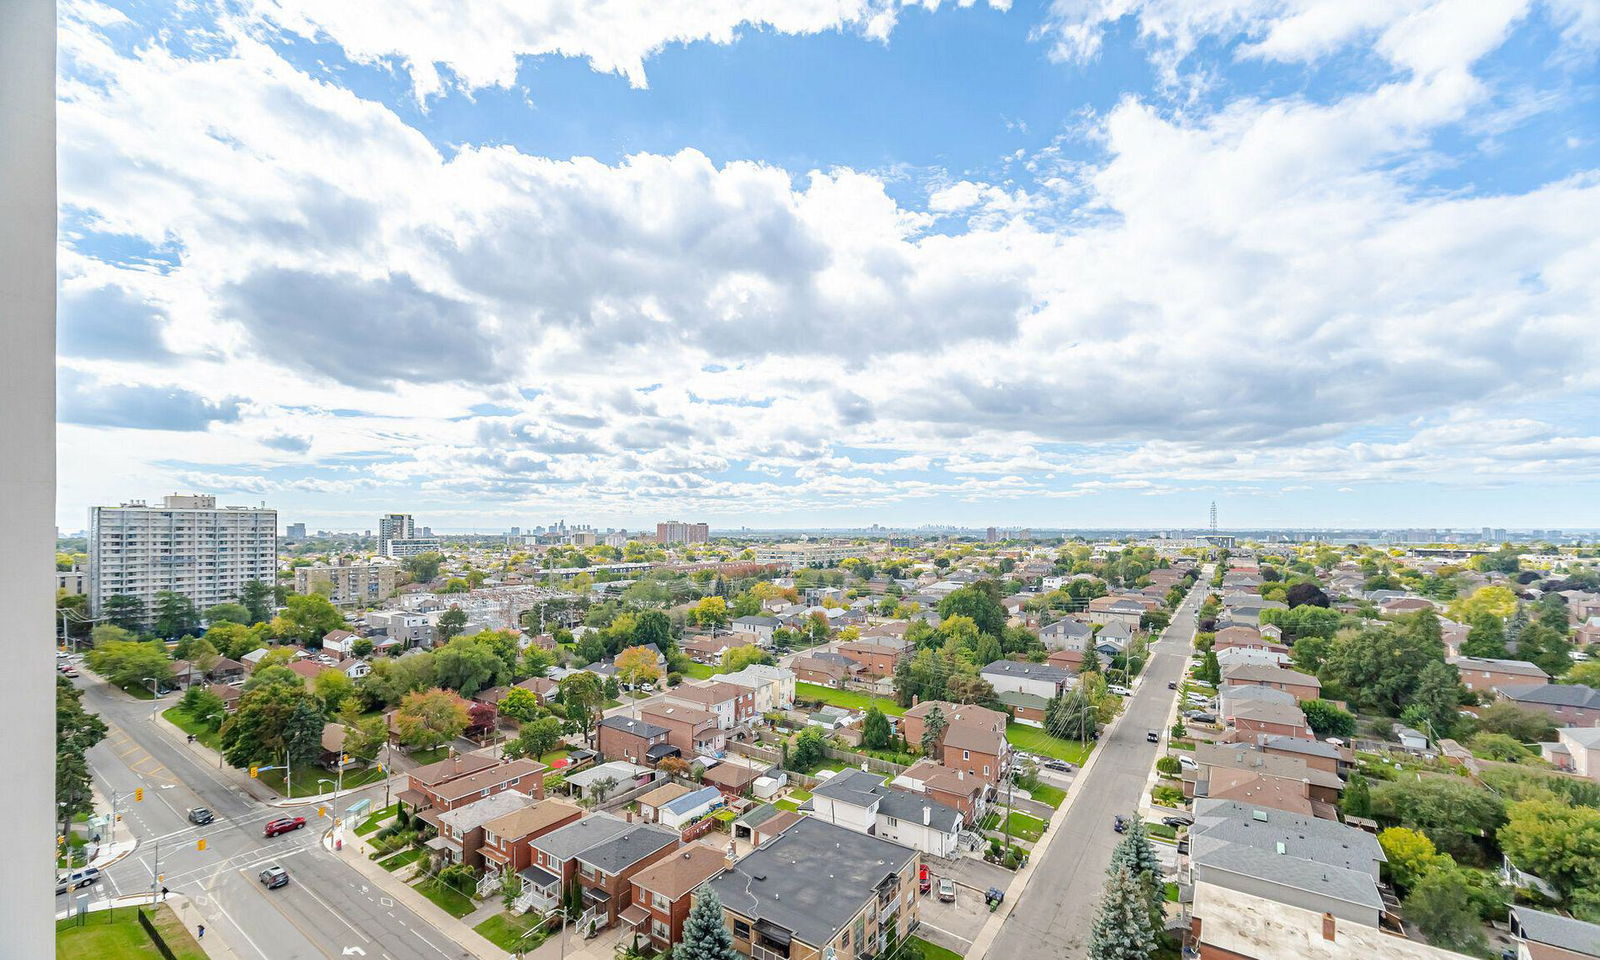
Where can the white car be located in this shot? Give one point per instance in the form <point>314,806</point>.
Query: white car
<point>1119,691</point>
<point>1187,762</point>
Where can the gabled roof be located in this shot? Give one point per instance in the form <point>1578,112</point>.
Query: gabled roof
<point>692,800</point>
<point>1027,671</point>
<point>1351,886</point>
<point>574,838</point>
<point>622,851</point>
<point>679,874</point>
<point>530,819</point>
<point>479,812</point>
<point>485,778</point>
<point>638,728</point>
<point>1557,931</point>
<point>1520,668</point>
<point>1555,695</point>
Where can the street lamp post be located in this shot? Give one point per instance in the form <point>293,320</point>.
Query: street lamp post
<point>154,697</point>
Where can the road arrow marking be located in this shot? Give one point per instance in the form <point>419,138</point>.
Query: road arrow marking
<point>353,952</point>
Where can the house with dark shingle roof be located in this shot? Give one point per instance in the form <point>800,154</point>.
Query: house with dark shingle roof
<point>606,870</point>
<point>861,801</point>
<point>1568,704</point>
<point>1040,679</point>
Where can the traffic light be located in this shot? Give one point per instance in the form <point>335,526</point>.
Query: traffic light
<point>255,771</point>
<point>138,794</point>
<point>200,844</point>
<point>344,758</point>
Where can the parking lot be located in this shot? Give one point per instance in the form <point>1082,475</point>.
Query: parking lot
<point>954,925</point>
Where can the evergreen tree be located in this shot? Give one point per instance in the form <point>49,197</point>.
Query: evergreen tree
<point>705,935</point>
<point>257,598</point>
<point>875,729</point>
<point>932,731</point>
<point>302,735</point>
<point>1135,854</point>
<point>1122,928</point>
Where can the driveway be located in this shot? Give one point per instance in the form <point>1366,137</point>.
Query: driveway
<point>953,925</point>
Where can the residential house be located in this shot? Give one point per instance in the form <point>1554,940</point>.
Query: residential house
<point>634,740</point>
<point>1025,708</point>
<point>1575,750</point>
<point>610,778</point>
<point>1112,639</point>
<point>543,688</point>
<point>226,670</point>
<point>773,686</point>
<point>662,892</point>
<point>1320,754</point>
<point>526,776</point>
<point>974,737</point>
<point>1488,675</point>
<point>820,890</point>
<point>952,788</point>
<point>606,870</point>
<point>703,649</point>
<point>1549,936</point>
<point>826,669</point>
<point>860,801</point>
<point>338,641</point>
<point>765,822</point>
<point>423,780</point>
<point>1127,611</point>
<point>1567,704</point>
<point>1248,718</point>
<point>1400,606</point>
<point>554,867</point>
<point>1068,633</point>
<point>829,717</point>
<point>1068,660</point>
<point>734,776</point>
<point>461,829</point>
<point>876,659</point>
<point>731,703</point>
<point>755,629</point>
<point>333,756</point>
<point>227,693</point>
<point>650,803</point>
<point>1302,685</point>
<point>508,839</point>
<point>1244,772</point>
<point>1239,656</point>
<point>1038,679</point>
<point>695,732</point>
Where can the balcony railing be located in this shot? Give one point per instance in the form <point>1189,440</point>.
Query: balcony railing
<point>758,952</point>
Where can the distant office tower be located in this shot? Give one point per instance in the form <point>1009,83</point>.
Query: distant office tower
<point>676,531</point>
<point>295,531</point>
<point>397,537</point>
<point>1213,516</point>
<point>991,535</point>
<point>186,545</point>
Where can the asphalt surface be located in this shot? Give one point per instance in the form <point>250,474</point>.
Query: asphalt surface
<point>327,910</point>
<point>1053,915</point>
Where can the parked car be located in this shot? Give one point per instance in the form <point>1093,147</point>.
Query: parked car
<point>1119,691</point>
<point>283,825</point>
<point>922,879</point>
<point>70,673</point>
<point>200,816</point>
<point>77,879</point>
<point>1119,823</point>
<point>1198,699</point>
<point>1152,736</point>
<point>1176,822</point>
<point>1187,762</point>
<point>274,877</point>
<point>1060,766</point>
<point>1204,718</point>
<point>947,890</point>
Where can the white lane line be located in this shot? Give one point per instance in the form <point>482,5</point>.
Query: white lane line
<point>304,888</point>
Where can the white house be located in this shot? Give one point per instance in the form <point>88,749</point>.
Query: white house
<point>755,629</point>
<point>1039,679</point>
<point>860,801</point>
<point>1576,749</point>
<point>773,686</point>
<point>679,811</point>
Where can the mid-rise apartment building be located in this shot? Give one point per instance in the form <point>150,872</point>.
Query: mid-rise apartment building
<point>809,554</point>
<point>676,531</point>
<point>348,583</point>
<point>397,537</point>
<point>187,545</point>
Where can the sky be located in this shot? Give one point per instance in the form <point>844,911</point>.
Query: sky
<point>1074,263</point>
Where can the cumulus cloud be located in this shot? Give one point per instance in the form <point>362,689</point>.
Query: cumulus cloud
<point>108,322</point>
<point>86,400</point>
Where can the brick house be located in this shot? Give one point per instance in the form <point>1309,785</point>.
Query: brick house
<point>625,738</point>
<point>1303,686</point>
<point>508,839</point>
<point>461,829</point>
<point>731,703</point>
<point>650,804</point>
<point>423,780</point>
<point>1251,717</point>
<point>1488,675</point>
<point>661,892</point>
<point>953,788</point>
<point>824,671</point>
<point>690,729</point>
<point>555,863</point>
<point>526,776</point>
<point>606,870</point>
<point>876,659</point>
<point>1567,704</point>
<point>974,738</point>
<point>541,687</point>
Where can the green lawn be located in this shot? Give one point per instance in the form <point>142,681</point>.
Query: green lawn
<point>1024,827</point>
<point>402,859</point>
<point>849,699</point>
<point>1161,830</point>
<point>789,805</point>
<point>932,951</point>
<point>1035,740</point>
<point>424,757</point>
<point>511,933</point>
<point>1045,793</point>
<point>306,785</point>
<point>448,899</point>
<point>699,671</point>
<point>374,819</point>
<point>1171,892</point>
<point>117,935</point>
<point>180,718</point>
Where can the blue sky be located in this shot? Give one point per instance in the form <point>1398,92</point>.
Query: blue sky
<point>816,263</point>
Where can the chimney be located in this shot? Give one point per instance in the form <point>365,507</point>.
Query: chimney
<point>1329,926</point>
<point>927,815</point>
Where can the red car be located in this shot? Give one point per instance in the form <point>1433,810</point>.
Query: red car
<point>284,825</point>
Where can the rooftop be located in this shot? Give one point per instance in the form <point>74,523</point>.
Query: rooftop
<point>625,849</point>
<point>574,838</point>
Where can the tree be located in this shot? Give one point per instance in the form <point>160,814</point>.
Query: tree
<point>467,666</point>
<point>307,618</point>
<point>584,698</point>
<point>1357,798</point>
<point>735,659</point>
<point>273,674</point>
<point>1210,669</point>
<point>520,704</point>
<point>981,602</point>
<point>76,731</point>
<point>361,647</point>
<point>932,732</point>
<point>229,612</point>
<point>1546,648</point>
<point>130,664</point>
<point>1306,594</point>
<point>537,661</point>
<point>203,706</point>
<point>1486,637</point>
<point>423,567</point>
<point>1437,697</point>
<point>536,739</point>
<point>122,610</point>
<point>430,718</point>
<point>1134,853</point>
<point>452,622</point>
<point>366,735</point>
<point>1410,856</point>
<point>705,932</point>
<point>1497,746</point>
<point>809,750</point>
<point>905,686</point>
<point>257,598</point>
<point>332,687</point>
<point>655,627</point>
<point>1453,813</point>
<point>1554,840</point>
<point>391,680</point>
<point>235,640</point>
<point>711,613</point>
<point>1328,719</point>
<point>255,732</point>
<point>1497,602</point>
<point>302,734</point>
<point>875,729</point>
<point>1121,929</point>
<point>1518,723</point>
<point>173,615</point>
<point>1587,673</point>
<point>198,651</point>
<point>637,665</point>
<point>1441,905</point>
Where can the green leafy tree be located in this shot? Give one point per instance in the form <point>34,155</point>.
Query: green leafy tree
<point>1328,719</point>
<point>1410,856</point>
<point>451,623</point>
<point>466,666</point>
<point>875,729</point>
<point>332,688</point>
<point>711,613</point>
<point>430,718</point>
<point>933,727</point>
<point>77,730</point>
<point>131,664</point>
<point>173,615</point>
<point>254,732</point>
<point>391,680</point>
<point>306,619</point>
<point>1554,840</point>
<point>234,640</point>
<point>583,696</point>
<point>637,665</point>
<point>1453,812</point>
<point>1121,929</point>
<point>981,602</point>
<point>1357,798</point>
<point>424,567</point>
<point>125,611</point>
<point>905,685</point>
<point>735,659</point>
<point>204,706</point>
<point>1518,723</point>
<point>809,750</point>
<point>258,600</point>
<point>1441,905</point>
<point>1497,746</point>
<point>1134,854</point>
<point>273,674</point>
<point>520,704</point>
<point>535,739</point>
<point>229,612</point>
<point>705,932</point>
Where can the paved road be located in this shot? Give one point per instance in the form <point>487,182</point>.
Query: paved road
<point>325,909</point>
<point>1053,915</point>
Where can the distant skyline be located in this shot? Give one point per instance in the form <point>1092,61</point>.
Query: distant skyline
<point>819,263</point>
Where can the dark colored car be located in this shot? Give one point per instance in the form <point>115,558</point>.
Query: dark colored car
<point>283,825</point>
<point>1119,823</point>
<point>200,816</point>
<point>1172,684</point>
<point>274,877</point>
<point>1060,766</point>
<point>1152,736</point>
<point>1176,822</point>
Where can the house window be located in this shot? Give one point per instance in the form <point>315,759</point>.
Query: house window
<point>986,769</point>
<point>889,821</point>
<point>966,754</point>
<point>741,930</point>
<point>660,930</point>
<point>514,781</point>
<point>661,903</point>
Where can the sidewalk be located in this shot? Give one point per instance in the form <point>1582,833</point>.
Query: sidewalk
<point>355,855</point>
<point>117,848</point>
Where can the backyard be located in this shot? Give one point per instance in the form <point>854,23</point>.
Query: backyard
<point>848,699</point>
<point>1035,740</point>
